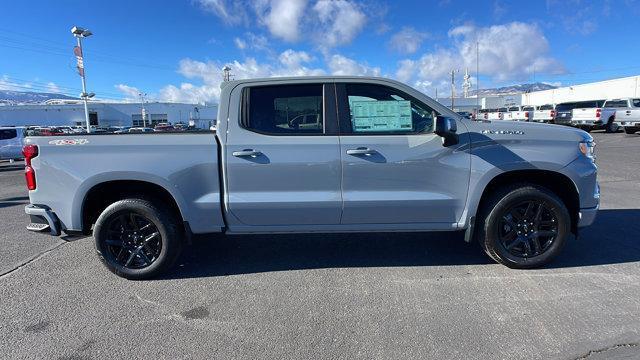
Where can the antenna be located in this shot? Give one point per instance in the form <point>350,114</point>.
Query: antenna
<point>226,73</point>
<point>453,84</point>
<point>466,84</point>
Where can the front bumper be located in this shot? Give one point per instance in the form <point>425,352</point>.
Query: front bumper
<point>42,219</point>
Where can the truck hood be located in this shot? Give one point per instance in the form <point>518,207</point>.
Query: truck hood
<point>520,130</point>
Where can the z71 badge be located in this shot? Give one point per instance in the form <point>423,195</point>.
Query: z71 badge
<point>69,142</point>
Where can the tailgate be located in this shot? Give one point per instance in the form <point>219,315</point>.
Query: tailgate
<point>584,114</point>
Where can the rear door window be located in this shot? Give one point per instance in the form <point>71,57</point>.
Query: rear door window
<point>616,104</point>
<point>8,134</point>
<point>284,109</point>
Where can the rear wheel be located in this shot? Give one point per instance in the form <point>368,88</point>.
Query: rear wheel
<point>524,226</point>
<point>631,130</point>
<point>136,239</point>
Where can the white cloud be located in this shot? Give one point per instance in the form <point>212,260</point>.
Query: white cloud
<point>507,52</point>
<point>129,92</point>
<point>290,63</point>
<point>7,84</point>
<point>282,17</point>
<point>231,12</point>
<point>407,40</point>
<point>240,44</point>
<point>340,22</point>
<point>53,88</point>
<point>341,65</point>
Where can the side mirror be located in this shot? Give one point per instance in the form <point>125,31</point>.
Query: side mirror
<point>446,128</point>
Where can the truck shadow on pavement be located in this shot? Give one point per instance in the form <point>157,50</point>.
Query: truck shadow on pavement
<point>612,239</point>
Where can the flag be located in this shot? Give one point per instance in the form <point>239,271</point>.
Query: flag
<point>77,51</point>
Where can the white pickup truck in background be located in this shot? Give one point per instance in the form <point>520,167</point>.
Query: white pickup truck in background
<point>594,118</point>
<point>520,113</point>
<point>544,113</point>
<point>497,114</point>
<point>628,115</point>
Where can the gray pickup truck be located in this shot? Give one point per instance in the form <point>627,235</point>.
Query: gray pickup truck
<point>317,154</point>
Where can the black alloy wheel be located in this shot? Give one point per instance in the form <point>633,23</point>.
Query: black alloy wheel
<point>133,241</point>
<point>528,229</point>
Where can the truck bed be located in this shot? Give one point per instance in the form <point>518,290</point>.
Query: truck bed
<point>185,164</point>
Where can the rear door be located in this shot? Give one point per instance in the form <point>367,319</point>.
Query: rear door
<point>282,157</point>
<point>395,169</point>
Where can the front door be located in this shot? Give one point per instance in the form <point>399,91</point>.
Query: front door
<point>395,169</point>
<point>282,159</point>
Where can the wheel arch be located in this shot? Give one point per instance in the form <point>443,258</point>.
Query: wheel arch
<point>105,193</point>
<point>558,183</point>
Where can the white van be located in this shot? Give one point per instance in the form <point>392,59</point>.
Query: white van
<point>11,142</point>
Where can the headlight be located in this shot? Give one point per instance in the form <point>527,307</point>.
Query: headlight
<point>587,148</point>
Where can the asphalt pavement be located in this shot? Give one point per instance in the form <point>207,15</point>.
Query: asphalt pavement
<point>356,296</point>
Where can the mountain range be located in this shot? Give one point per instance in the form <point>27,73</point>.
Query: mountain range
<point>11,97</point>
<point>513,89</point>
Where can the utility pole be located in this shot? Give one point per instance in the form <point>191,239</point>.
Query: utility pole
<point>478,74</point>
<point>144,111</point>
<point>453,85</point>
<point>80,34</point>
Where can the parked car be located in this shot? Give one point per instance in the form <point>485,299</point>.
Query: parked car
<point>11,142</point>
<point>122,130</point>
<point>385,157</point>
<point>627,113</point>
<point>497,114</point>
<point>519,113</point>
<point>482,114</point>
<point>600,117</point>
<point>140,130</point>
<point>544,113</point>
<point>164,127</point>
<point>465,114</point>
<point>564,110</point>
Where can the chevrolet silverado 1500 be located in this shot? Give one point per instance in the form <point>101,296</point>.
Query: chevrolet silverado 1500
<point>317,154</point>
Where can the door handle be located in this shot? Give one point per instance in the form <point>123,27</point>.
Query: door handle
<point>247,153</point>
<point>361,151</point>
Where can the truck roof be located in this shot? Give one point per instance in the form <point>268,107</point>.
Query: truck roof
<point>339,78</point>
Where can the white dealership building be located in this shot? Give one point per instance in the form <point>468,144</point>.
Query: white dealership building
<point>71,112</point>
<point>627,87</point>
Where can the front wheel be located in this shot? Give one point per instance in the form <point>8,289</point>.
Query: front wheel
<point>524,226</point>
<point>137,239</point>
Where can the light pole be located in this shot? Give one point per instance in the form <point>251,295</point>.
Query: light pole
<point>80,34</point>
<point>144,112</point>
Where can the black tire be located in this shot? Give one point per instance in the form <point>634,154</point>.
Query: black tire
<point>496,217</point>
<point>611,127</point>
<point>141,254</point>
<point>631,130</point>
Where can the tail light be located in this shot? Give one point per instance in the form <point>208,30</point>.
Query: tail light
<point>30,152</point>
<point>526,115</point>
<point>598,113</point>
<point>553,114</point>
<point>486,116</point>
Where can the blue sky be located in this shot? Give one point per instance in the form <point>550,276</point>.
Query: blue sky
<point>174,50</point>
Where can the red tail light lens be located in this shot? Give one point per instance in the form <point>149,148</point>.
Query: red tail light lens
<point>526,115</point>
<point>553,114</point>
<point>598,112</point>
<point>29,152</point>
<point>30,176</point>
